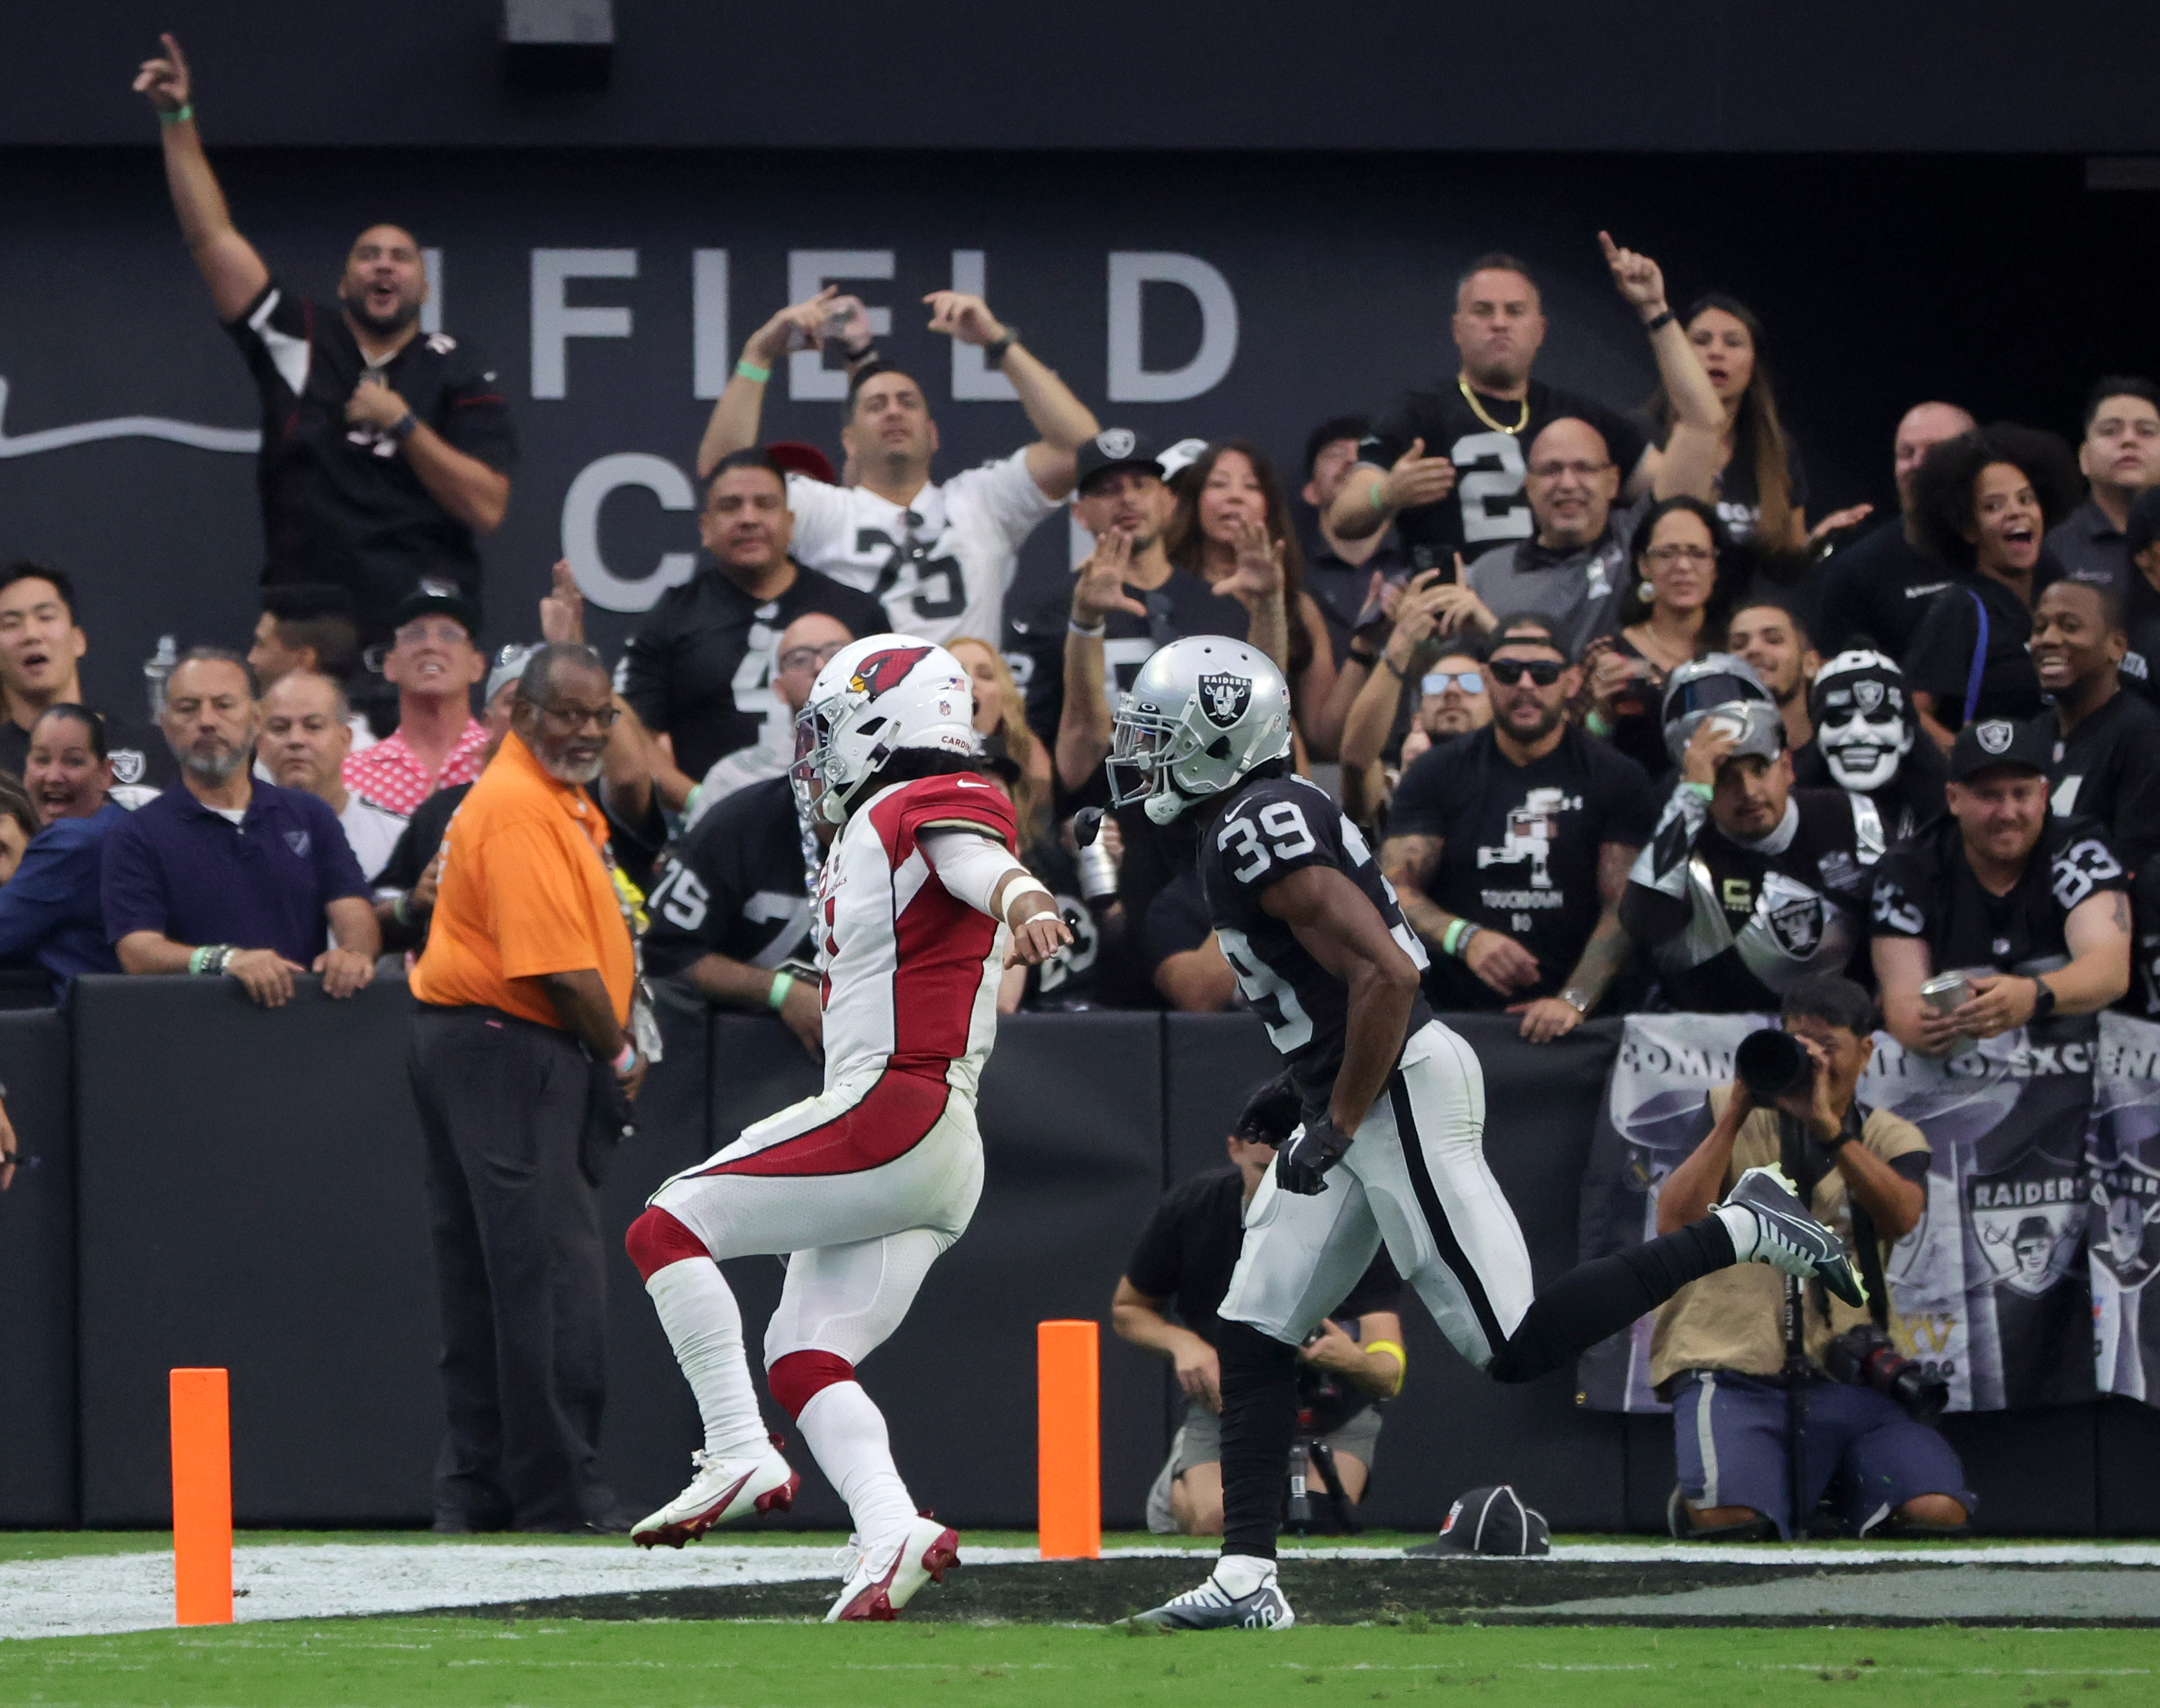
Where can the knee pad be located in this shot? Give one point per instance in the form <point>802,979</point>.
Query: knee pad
<point>656,1239</point>
<point>796,1379</point>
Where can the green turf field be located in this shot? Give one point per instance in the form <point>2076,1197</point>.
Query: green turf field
<point>390,1663</point>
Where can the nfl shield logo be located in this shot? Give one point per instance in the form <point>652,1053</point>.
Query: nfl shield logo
<point>1869,694</point>
<point>1223,698</point>
<point>127,764</point>
<point>298,842</point>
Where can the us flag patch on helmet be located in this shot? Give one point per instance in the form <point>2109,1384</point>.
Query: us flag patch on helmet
<point>1223,698</point>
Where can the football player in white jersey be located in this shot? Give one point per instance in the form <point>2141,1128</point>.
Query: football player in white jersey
<point>921,906</point>
<point>939,555</point>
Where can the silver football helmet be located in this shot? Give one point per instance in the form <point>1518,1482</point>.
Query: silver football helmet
<point>1721,686</point>
<point>1202,713</point>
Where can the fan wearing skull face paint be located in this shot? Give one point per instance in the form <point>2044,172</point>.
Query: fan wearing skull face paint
<point>1866,744</point>
<point>1748,883</point>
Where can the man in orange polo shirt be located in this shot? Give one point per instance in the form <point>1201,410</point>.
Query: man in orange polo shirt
<point>526,991</point>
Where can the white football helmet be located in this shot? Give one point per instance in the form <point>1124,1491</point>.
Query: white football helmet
<point>1202,713</point>
<point>876,697</point>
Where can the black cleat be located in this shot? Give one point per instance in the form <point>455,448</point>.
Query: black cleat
<point>1789,1238</point>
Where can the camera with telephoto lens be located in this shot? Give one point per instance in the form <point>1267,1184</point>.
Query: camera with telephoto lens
<point>1864,1357</point>
<point>1772,1064</point>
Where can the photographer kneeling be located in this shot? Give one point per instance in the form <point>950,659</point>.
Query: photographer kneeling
<point>1188,1253</point>
<point>1718,1352</point>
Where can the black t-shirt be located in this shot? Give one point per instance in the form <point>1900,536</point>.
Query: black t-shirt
<point>1740,500</point>
<point>1182,605</point>
<point>1267,830</point>
<point>1875,592</point>
<point>2108,769</point>
<point>1521,847</point>
<point>1189,1250</point>
<point>342,503</point>
<point>1487,505</point>
<point>1910,801</point>
<point>700,670</point>
<point>1939,661</point>
<point>735,886</point>
<point>1925,889</point>
<point>1338,588</point>
<point>1780,911</point>
<point>141,755</point>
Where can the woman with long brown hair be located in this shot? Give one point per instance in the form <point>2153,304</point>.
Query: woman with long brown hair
<point>1233,530</point>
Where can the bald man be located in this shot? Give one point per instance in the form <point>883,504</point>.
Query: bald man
<point>385,452</point>
<point>1874,592</point>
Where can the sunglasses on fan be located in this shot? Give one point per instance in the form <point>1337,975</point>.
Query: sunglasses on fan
<point>1508,671</point>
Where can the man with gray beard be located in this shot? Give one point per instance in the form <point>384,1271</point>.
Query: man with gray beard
<point>525,1050</point>
<point>224,875</point>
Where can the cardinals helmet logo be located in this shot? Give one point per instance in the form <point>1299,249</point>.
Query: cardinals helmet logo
<point>883,672</point>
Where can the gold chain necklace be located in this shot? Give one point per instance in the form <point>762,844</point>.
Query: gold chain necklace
<point>1478,409</point>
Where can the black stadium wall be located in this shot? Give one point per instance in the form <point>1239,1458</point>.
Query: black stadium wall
<point>212,1183</point>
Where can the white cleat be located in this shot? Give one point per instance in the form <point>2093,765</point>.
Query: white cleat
<point>1241,1594</point>
<point>882,1580</point>
<point>722,1491</point>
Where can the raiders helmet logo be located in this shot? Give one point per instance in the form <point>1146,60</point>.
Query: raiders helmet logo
<point>1116,443</point>
<point>1223,698</point>
<point>1798,926</point>
<point>128,764</point>
<point>1995,735</point>
<point>1868,694</point>
<point>883,672</point>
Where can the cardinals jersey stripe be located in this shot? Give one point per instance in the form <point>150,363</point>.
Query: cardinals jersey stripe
<point>894,1116</point>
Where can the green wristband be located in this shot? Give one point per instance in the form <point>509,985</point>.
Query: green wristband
<point>750,371</point>
<point>177,115</point>
<point>1373,493</point>
<point>783,982</point>
<point>195,959</point>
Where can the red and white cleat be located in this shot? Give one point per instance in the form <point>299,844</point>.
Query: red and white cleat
<point>722,1491</point>
<point>882,1580</point>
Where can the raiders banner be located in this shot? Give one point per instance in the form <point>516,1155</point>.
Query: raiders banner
<point>2124,1214</point>
<point>1988,1291</point>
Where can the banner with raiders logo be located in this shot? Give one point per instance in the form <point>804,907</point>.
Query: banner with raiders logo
<point>2123,1214</point>
<point>1987,1291</point>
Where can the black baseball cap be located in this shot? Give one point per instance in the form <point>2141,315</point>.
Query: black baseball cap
<point>1489,1521</point>
<point>1114,448</point>
<point>432,596</point>
<point>1990,742</point>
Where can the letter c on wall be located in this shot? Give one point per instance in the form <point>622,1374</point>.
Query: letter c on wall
<point>581,529</point>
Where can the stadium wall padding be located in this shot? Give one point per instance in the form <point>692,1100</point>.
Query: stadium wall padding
<point>247,1192</point>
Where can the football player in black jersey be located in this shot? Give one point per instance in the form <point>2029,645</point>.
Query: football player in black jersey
<point>1748,883</point>
<point>1392,1149</point>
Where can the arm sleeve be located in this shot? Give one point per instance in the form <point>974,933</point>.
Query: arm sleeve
<point>1391,436</point>
<point>821,523</point>
<point>968,864</point>
<point>473,415</point>
<point>273,334</point>
<point>1899,898</point>
<point>1156,1268</point>
<point>1419,806</point>
<point>35,899</point>
<point>1656,905</point>
<point>2084,866</point>
<point>1939,658</point>
<point>1009,496</point>
<point>132,886</point>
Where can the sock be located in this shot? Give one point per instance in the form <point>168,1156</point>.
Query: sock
<point>1603,1297</point>
<point>704,1325</point>
<point>1241,1574</point>
<point>1259,1417</point>
<point>847,1432</point>
<point>1740,1226</point>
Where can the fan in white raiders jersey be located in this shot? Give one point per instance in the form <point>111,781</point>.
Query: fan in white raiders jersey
<point>939,554</point>
<point>920,907</point>
<point>1392,1150</point>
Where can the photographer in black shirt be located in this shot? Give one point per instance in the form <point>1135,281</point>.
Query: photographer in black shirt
<point>1509,848</point>
<point>1185,1258</point>
<point>1748,883</point>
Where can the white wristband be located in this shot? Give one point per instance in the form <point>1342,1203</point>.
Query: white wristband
<point>622,1062</point>
<point>1101,629</point>
<point>1029,885</point>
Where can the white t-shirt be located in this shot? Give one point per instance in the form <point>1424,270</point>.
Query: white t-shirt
<point>372,831</point>
<point>941,578</point>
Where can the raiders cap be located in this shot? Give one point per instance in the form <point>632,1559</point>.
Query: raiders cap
<point>433,595</point>
<point>1489,1521</point>
<point>1114,448</point>
<point>1998,741</point>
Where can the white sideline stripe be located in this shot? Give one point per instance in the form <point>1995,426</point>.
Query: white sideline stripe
<point>99,1594</point>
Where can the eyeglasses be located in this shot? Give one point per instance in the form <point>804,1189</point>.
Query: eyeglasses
<point>1663,555</point>
<point>811,657</point>
<point>1508,671</point>
<point>601,718</point>
<point>1438,681</point>
<point>1581,471</point>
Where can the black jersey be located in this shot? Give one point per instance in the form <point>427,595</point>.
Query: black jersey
<point>1267,830</point>
<point>1521,847</point>
<point>1925,889</point>
<point>1487,507</point>
<point>1906,804</point>
<point>735,886</point>
<point>341,503</point>
<point>700,670</point>
<point>1876,591</point>
<point>1731,926</point>
<point>2108,769</point>
<point>1939,660</point>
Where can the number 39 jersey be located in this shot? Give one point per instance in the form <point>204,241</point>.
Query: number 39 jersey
<point>1269,829</point>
